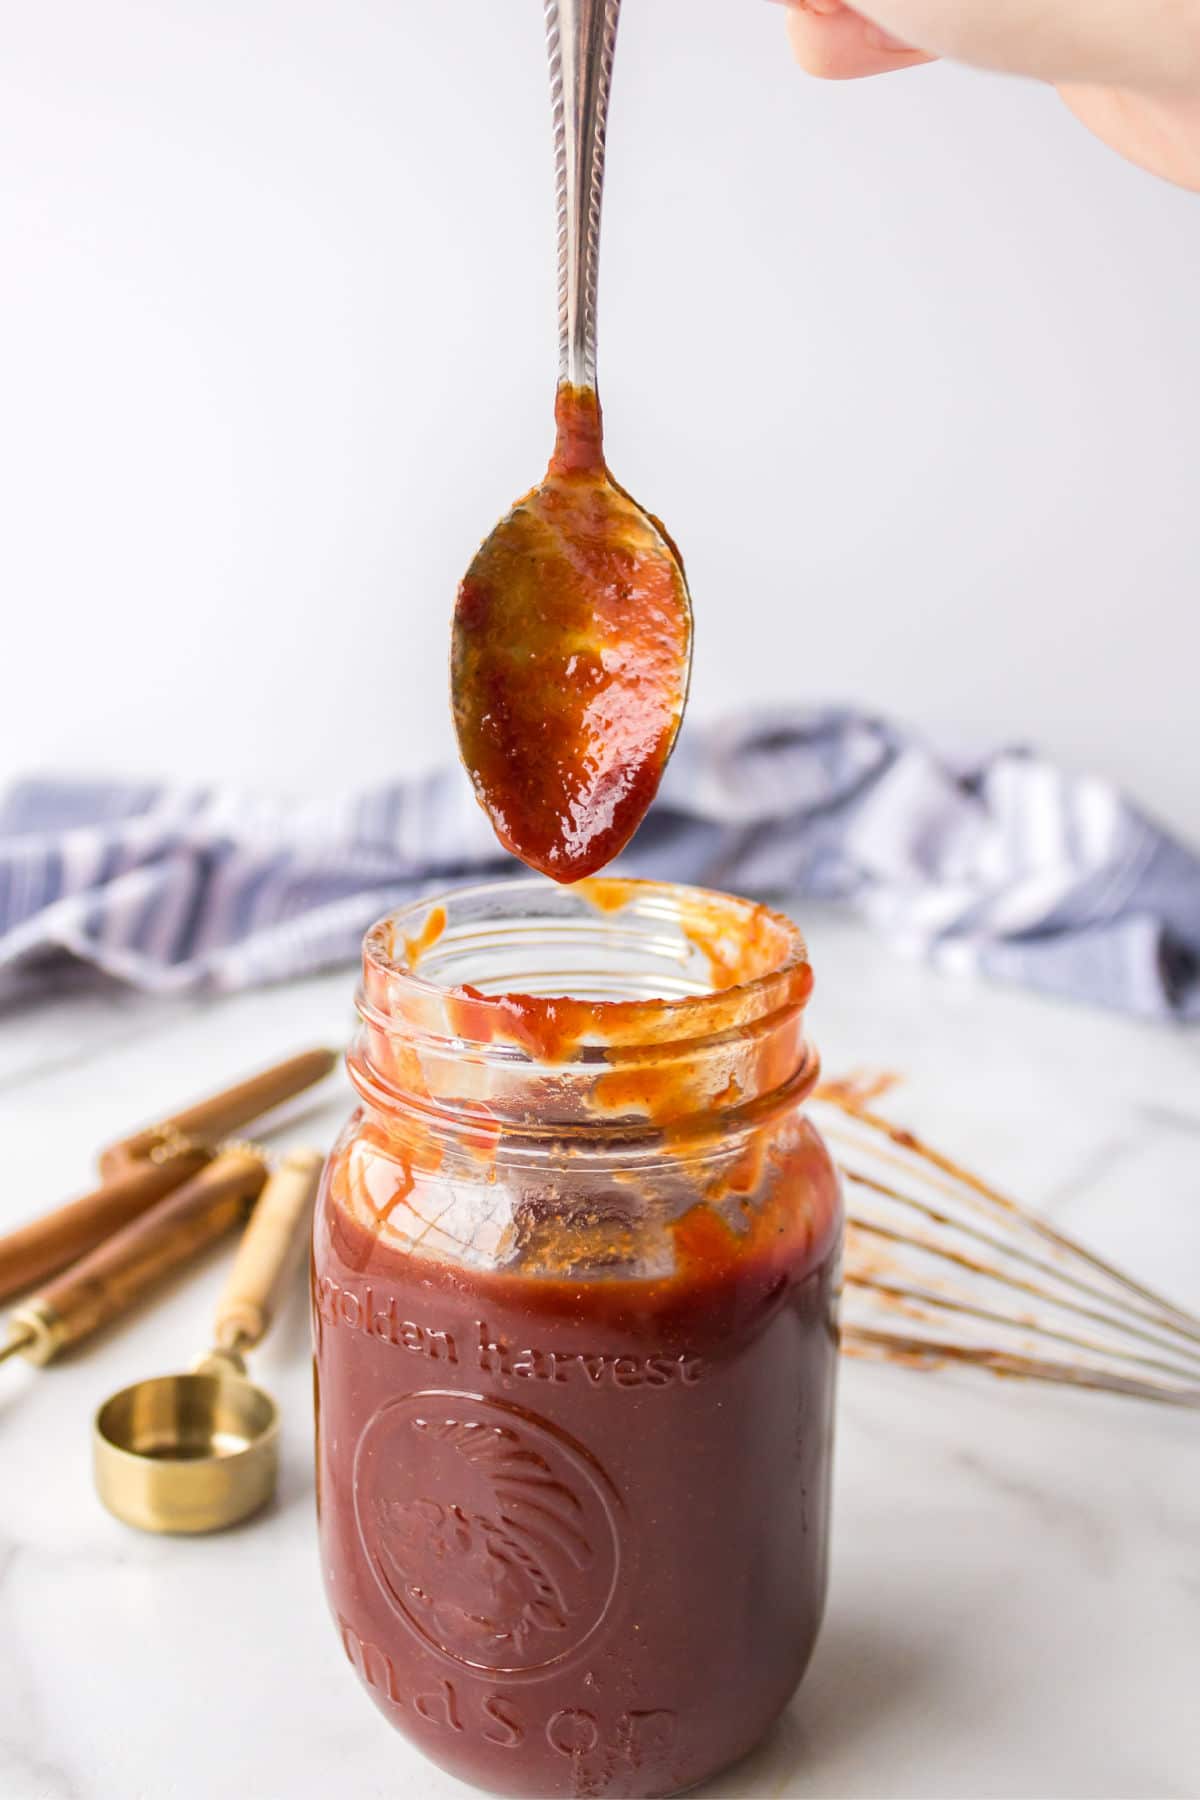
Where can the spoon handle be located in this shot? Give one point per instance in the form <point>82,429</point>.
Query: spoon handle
<point>580,36</point>
<point>211,1119</point>
<point>45,1245</point>
<point>106,1283</point>
<point>268,1253</point>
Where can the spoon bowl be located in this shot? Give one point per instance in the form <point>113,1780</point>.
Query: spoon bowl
<point>186,1453</point>
<point>197,1452</point>
<point>570,659</point>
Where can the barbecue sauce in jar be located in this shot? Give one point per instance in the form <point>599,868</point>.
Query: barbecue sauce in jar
<point>574,1289</point>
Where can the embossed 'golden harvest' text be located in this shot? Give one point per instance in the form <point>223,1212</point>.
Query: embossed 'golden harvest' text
<point>378,1316</point>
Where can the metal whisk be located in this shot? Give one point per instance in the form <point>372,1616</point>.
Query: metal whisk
<point>942,1268</point>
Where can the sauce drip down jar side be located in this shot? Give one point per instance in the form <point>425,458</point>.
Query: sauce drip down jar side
<point>574,1297</point>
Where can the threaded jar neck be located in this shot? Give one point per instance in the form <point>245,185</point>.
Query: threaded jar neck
<point>616,1005</point>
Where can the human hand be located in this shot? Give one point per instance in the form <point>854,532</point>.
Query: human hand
<point>1130,69</point>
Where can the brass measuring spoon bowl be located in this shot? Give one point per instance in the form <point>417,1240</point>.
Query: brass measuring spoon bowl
<point>187,1453</point>
<point>197,1452</point>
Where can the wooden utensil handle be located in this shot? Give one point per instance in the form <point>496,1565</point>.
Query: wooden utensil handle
<point>214,1118</point>
<point>100,1287</point>
<point>269,1251</point>
<point>46,1245</point>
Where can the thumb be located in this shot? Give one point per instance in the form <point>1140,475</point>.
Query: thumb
<point>836,42</point>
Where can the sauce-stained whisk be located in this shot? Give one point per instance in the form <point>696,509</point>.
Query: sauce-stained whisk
<point>942,1268</point>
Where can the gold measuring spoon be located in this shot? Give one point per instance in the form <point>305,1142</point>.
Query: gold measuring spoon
<point>572,640</point>
<point>196,1452</point>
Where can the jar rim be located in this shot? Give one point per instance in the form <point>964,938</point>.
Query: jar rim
<point>757,964</point>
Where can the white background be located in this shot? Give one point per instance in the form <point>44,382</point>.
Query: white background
<point>911,369</point>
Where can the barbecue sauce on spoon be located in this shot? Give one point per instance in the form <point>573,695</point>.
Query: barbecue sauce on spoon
<point>570,658</point>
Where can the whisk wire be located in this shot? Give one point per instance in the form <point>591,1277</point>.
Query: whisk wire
<point>930,1354</point>
<point>921,1297</point>
<point>942,1274</point>
<point>1056,1271</point>
<point>942,1174</point>
<point>972,1265</point>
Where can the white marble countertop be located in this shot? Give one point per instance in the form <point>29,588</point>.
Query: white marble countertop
<point>1015,1604</point>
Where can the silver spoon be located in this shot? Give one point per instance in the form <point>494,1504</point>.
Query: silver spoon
<point>572,638</point>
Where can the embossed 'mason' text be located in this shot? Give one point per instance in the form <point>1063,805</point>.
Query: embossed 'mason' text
<point>639,1735</point>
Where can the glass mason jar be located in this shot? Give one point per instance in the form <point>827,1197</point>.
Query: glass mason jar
<point>574,1287</point>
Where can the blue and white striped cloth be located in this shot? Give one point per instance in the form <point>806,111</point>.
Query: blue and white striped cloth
<point>1002,865</point>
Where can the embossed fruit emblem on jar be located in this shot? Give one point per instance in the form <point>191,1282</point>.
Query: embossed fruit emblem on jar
<point>512,1568</point>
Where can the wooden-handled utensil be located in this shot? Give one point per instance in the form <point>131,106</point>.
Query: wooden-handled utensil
<point>46,1245</point>
<point>210,1120</point>
<point>267,1256</point>
<point>141,1168</point>
<point>103,1284</point>
<point>196,1452</point>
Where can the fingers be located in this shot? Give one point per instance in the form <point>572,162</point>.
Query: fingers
<point>1130,69</point>
<point>1121,43</point>
<point>836,43</point>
